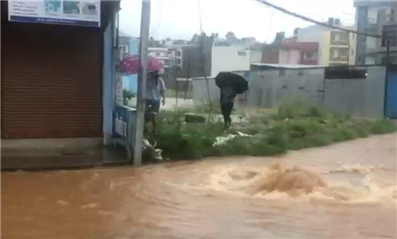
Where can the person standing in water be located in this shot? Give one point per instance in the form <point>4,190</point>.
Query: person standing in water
<point>227,102</point>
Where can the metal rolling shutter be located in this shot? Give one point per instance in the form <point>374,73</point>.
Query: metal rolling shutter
<point>50,81</point>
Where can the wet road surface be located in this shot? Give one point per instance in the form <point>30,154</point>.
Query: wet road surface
<point>346,190</point>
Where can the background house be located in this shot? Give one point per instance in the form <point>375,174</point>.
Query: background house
<point>376,17</point>
<point>336,47</point>
<point>128,45</point>
<point>226,56</point>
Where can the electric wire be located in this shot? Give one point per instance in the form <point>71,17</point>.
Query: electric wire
<point>315,21</point>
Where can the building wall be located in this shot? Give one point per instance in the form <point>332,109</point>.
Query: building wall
<point>255,56</point>
<point>233,58</point>
<point>227,58</point>
<point>291,57</point>
<point>327,48</point>
<point>107,82</point>
<point>316,34</point>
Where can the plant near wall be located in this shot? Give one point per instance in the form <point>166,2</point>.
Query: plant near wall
<point>127,95</point>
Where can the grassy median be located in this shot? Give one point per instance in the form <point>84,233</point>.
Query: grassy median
<point>296,125</point>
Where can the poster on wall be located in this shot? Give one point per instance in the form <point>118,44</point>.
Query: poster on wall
<point>63,12</point>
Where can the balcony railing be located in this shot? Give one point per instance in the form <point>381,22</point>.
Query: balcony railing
<point>390,18</point>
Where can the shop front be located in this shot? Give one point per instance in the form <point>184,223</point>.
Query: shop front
<point>52,76</point>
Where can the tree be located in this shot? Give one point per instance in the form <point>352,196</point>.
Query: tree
<point>153,43</point>
<point>230,36</point>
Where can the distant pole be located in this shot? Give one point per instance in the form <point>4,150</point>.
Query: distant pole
<point>141,97</point>
<point>387,50</point>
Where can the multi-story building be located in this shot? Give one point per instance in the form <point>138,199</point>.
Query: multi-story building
<point>377,18</point>
<point>336,47</point>
<point>298,53</point>
<point>164,54</point>
<point>290,51</point>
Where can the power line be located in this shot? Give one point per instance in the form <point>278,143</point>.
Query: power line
<point>270,24</point>
<point>314,21</point>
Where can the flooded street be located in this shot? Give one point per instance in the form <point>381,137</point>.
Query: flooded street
<point>346,190</point>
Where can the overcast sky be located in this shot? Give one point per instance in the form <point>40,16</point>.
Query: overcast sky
<point>181,18</point>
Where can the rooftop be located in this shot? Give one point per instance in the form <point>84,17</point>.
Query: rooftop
<point>281,66</point>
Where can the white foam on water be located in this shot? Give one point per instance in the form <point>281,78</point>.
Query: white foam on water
<point>279,181</point>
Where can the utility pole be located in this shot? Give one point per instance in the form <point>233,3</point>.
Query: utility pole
<point>141,97</point>
<point>387,51</point>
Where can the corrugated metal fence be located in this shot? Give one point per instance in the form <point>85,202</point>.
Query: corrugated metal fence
<point>270,88</point>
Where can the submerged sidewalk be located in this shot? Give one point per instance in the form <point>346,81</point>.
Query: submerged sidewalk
<point>50,154</point>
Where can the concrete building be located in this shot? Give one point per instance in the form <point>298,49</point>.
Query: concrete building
<point>164,54</point>
<point>376,17</point>
<point>336,47</point>
<point>298,53</point>
<point>233,57</point>
<point>58,86</point>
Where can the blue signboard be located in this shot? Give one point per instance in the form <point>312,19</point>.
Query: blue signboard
<point>120,122</point>
<point>80,13</point>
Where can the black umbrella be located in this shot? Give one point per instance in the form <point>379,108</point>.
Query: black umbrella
<point>230,79</point>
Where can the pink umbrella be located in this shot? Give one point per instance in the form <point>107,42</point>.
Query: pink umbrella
<point>130,64</point>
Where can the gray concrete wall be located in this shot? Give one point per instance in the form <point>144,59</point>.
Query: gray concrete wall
<point>200,91</point>
<point>360,97</point>
<point>271,88</point>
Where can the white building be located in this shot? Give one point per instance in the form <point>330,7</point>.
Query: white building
<point>164,54</point>
<point>232,57</point>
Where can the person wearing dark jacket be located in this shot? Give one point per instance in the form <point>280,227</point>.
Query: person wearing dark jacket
<point>227,102</point>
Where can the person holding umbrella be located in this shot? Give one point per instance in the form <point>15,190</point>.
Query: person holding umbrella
<point>230,85</point>
<point>155,88</point>
<point>155,92</point>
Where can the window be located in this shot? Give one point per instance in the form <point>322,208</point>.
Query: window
<point>178,53</point>
<point>178,61</point>
<point>310,56</point>
<point>343,53</point>
<point>335,36</point>
<point>157,53</point>
<point>339,37</point>
<point>339,53</point>
<point>241,53</point>
<point>123,51</point>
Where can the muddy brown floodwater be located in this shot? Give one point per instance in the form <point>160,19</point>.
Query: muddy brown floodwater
<point>346,190</point>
